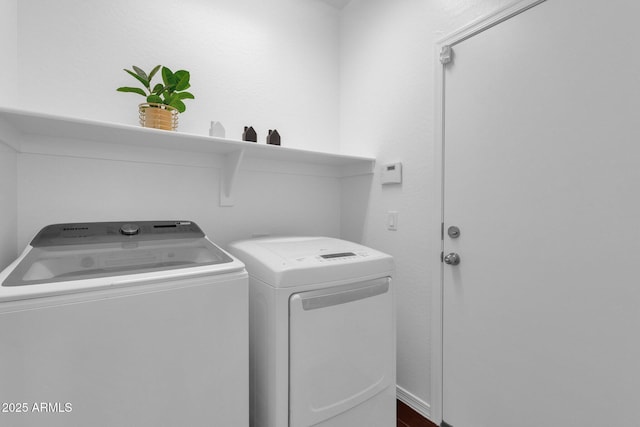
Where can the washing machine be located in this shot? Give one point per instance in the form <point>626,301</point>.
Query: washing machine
<point>124,324</point>
<point>322,333</point>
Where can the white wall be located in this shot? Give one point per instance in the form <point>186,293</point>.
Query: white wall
<point>57,189</point>
<point>387,104</point>
<point>8,160</point>
<point>8,205</point>
<point>268,64</point>
<point>8,49</point>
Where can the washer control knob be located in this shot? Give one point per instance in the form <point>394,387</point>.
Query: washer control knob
<point>129,229</point>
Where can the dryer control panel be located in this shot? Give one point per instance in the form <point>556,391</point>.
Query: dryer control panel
<point>338,255</point>
<point>341,256</point>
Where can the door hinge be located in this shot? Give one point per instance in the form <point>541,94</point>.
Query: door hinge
<point>442,231</point>
<point>446,55</point>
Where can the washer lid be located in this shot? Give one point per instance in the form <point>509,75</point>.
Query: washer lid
<point>67,252</point>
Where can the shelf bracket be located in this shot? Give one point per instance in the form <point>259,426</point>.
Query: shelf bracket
<point>228,175</point>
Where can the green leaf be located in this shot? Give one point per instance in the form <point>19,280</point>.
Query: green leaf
<point>170,98</point>
<point>133,90</point>
<point>168,77</point>
<point>179,105</point>
<point>182,77</point>
<point>139,71</point>
<point>144,82</point>
<point>153,72</point>
<point>157,89</point>
<point>183,84</point>
<point>154,98</point>
<point>181,73</point>
<point>166,95</point>
<point>185,95</point>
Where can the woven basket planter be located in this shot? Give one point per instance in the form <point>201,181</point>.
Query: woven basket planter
<point>158,116</point>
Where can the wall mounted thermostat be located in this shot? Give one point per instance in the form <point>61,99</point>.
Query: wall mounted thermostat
<point>391,173</point>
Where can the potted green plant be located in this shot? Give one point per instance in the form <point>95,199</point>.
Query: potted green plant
<point>164,100</point>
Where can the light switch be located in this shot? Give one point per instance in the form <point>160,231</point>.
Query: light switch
<point>392,220</point>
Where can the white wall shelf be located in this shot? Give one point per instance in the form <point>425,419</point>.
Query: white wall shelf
<point>17,127</point>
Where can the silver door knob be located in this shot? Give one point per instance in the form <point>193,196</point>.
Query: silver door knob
<point>452,259</point>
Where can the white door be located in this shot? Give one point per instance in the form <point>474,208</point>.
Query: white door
<point>542,176</point>
<point>342,354</point>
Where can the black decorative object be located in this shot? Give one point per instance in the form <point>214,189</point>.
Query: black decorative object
<point>273,138</point>
<point>249,134</point>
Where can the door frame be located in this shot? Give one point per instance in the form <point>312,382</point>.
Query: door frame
<point>437,292</point>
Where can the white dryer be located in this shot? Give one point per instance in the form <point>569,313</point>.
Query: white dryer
<point>322,333</point>
<point>124,324</point>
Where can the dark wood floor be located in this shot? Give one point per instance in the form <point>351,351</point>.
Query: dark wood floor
<point>407,417</point>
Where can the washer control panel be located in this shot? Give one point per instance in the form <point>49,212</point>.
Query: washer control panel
<point>111,232</point>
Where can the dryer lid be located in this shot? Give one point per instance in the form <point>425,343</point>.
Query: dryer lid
<point>293,261</point>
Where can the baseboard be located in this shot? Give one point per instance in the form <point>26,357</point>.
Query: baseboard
<point>415,403</point>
